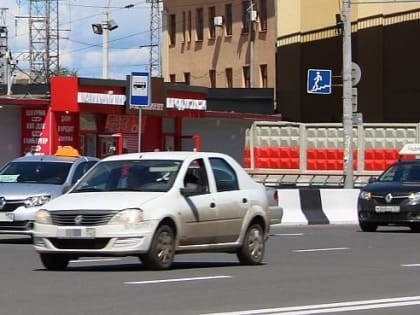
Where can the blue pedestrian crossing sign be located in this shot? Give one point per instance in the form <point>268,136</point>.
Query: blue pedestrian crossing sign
<point>319,81</point>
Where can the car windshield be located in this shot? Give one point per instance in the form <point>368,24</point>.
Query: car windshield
<point>130,175</point>
<point>35,172</point>
<point>400,172</point>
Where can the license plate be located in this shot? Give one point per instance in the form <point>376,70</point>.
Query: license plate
<point>387,208</point>
<point>77,232</point>
<point>7,216</point>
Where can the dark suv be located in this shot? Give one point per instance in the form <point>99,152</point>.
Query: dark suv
<point>28,182</point>
<point>392,199</point>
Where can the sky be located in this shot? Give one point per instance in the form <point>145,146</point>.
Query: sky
<point>80,49</point>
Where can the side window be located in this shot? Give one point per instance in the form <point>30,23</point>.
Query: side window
<point>224,175</point>
<point>81,169</point>
<point>196,175</point>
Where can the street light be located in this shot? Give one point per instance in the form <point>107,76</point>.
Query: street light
<point>104,29</point>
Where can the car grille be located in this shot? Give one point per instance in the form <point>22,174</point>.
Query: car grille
<point>396,199</point>
<point>97,243</point>
<point>82,217</point>
<point>11,205</point>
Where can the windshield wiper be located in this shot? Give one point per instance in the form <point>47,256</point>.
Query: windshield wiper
<point>87,189</point>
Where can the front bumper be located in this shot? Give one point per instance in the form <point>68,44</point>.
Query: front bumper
<point>104,240</point>
<point>18,221</point>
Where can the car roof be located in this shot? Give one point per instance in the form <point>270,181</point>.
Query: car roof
<point>53,158</point>
<point>163,155</point>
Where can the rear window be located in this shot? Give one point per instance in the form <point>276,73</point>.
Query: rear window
<point>35,172</point>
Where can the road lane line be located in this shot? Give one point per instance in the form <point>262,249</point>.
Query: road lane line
<point>332,307</point>
<point>320,249</point>
<point>288,234</point>
<point>410,265</point>
<point>177,280</point>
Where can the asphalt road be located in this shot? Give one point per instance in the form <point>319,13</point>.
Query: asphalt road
<point>308,270</point>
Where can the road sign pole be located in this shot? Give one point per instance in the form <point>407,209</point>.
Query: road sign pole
<point>347,97</point>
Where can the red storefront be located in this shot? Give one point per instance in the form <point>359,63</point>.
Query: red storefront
<point>93,116</point>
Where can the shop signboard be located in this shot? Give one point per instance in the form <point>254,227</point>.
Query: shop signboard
<point>35,130</point>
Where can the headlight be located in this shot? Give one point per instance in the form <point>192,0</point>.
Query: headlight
<point>128,217</point>
<point>414,196</point>
<point>365,195</point>
<point>35,201</point>
<point>43,217</point>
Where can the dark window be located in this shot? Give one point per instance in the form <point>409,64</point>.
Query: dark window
<point>197,175</point>
<point>224,175</point>
<point>247,82</point>
<point>200,25</point>
<point>212,75</point>
<point>184,27</point>
<point>187,78</point>
<point>229,83</point>
<point>245,21</point>
<point>263,15</point>
<point>228,19</point>
<point>212,28</point>
<point>264,79</point>
<point>172,77</point>
<point>189,26</point>
<point>81,169</point>
<point>172,28</point>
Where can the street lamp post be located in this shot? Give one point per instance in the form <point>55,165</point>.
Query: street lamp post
<point>347,97</point>
<point>105,45</point>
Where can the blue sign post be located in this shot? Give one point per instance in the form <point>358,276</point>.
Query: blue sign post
<point>319,81</point>
<point>139,89</point>
<point>139,96</point>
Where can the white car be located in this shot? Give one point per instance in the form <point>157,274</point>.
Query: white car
<point>154,205</point>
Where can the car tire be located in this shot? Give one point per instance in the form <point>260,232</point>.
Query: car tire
<point>368,227</point>
<point>162,250</point>
<point>252,250</point>
<point>54,261</point>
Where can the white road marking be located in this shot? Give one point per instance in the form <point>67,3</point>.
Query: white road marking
<point>94,260</point>
<point>320,249</point>
<point>332,307</point>
<point>289,234</point>
<point>177,280</point>
<point>410,265</point>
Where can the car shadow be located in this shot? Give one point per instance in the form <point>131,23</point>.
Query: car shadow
<point>16,240</point>
<point>184,265</point>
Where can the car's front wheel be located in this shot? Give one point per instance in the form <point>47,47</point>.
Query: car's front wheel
<point>252,250</point>
<point>162,250</point>
<point>54,261</point>
<point>368,227</point>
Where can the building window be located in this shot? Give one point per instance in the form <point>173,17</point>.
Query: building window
<point>184,27</point>
<point>245,21</point>
<point>200,26</point>
<point>228,19</point>
<point>229,78</point>
<point>245,74</point>
<point>212,76</point>
<point>263,73</point>
<point>189,26</point>
<point>172,28</point>
<point>212,27</point>
<point>263,15</point>
<point>187,77</point>
<point>172,78</point>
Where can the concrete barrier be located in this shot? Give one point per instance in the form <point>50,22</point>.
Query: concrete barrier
<point>318,206</point>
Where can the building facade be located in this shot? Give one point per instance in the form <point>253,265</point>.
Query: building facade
<point>219,44</point>
<point>384,46</point>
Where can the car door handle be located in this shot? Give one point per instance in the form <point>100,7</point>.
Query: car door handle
<point>244,200</point>
<point>212,205</point>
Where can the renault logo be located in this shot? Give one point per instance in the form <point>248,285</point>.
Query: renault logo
<point>388,198</point>
<point>78,219</point>
<point>2,202</point>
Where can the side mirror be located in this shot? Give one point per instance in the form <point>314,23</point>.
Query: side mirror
<point>372,179</point>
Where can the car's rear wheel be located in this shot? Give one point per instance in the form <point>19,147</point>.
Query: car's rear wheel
<point>162,250</point>
<point>54,261</point>
<point>252,250</point>
<point>368,227</point>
